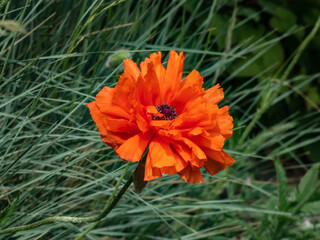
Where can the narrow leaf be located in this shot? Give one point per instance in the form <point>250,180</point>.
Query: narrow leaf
<point>311,207</point>
<point>6,213</point>
<point>282,185</point>
<point>308,183</point>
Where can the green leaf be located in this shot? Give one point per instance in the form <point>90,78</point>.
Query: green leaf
<point>283,20</point>
<point>308,183</point>
<point>312,207</point>
<point>282,185</point>
<point>6,213</point>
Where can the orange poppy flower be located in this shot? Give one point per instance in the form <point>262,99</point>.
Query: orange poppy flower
<point>179,121</point>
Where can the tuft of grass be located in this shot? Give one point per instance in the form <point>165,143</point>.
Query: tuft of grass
<point>53,162</point>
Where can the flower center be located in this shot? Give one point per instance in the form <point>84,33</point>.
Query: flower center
<point>169,112</point>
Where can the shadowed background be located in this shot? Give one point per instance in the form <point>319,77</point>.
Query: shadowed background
<point>56,55</point>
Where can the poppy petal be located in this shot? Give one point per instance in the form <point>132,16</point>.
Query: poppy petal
<point>150,171</point>
<point>219,161</point>
<point>213,141</point>
<point>161,153</point>
<point>191,175</point>
<point>196,150</point>
<point>131,69</point>
<point>123,94</point>
<point>190,88</point>
<point>214,95</point>
<point>109,137</point>
<point>148,87</point>
<point>224,123</point>
<point>173,76</point>
<point>105,104</point>
<point>134,147</point>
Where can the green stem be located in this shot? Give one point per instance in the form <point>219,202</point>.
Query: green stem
<point>107,209</point>
<point>285,75</point>
<point>107,204</point>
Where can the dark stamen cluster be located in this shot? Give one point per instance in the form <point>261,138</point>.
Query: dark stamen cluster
<point>169,112</point>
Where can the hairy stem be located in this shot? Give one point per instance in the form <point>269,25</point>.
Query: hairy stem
<point>107,209</point>
<point>107,204</point>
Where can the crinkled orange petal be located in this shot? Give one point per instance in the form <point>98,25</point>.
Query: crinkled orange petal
<point>173,134</point>
<point>196,131</point>
<point>142,121</point>
<point>169,170</point>
<point>180,162</point>
<point>214,155</point>
<point>190,88</point>
<point>173,76</point>
<point>160,124</point>
<point>121,125</point>
<point>104,102</point>
<point>161,153</point>
<point>228,160</point>
<point>152,111</point>
<point>109,137</point>
<point>134,147</point>
<point>131,69</point>
<point>147,87</point>
<point>214,95</point>
<point>224,123</point>
<point>123,94</point>
<point>151,172</point>
<point>195,113</point>
<point>195,149</point>
<point>113,139</point>
<point>155,58</point>
<point>98,117</point>
<point>184,152</point>
<point>219,161</point>
<point>213,141</point>
<point>191,175</point>
<point>189,156</point>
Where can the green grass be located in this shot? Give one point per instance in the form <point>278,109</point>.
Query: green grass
<point>52,158</point>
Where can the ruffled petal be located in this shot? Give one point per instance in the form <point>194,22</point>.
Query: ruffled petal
<point>218,161</point>
<point>105,104</point>
<point>98,117</point>
<point>131,69</point>
<point>161,153</point>
<point>195,149</point>
<point>195,113</point>
<point>188,156</point>
<point>147,88</point>
<point>190,88</point>
<point>134,147</point>
<point>169,170</point>
<point>173,76</point>
<point>150,171</point>
<point>224,123</point>
<point>214,95</point>
<point>121,125</point>
<point>191,175</point>
<point>213,141</point>
<point>111,138</point>
<point>123,94</point>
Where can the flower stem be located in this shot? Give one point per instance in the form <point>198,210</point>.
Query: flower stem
<point>107,204</point>
<point>107,209</point>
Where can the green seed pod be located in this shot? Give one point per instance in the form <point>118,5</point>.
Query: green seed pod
<point>116,58</point>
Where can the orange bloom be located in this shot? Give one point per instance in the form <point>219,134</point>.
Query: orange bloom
<point>179,121</point>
